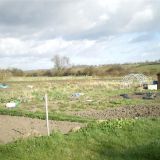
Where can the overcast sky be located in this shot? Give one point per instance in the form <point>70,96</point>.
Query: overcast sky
<point>87,31</point>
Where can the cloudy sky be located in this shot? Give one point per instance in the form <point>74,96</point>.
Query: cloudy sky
<point>87,31</point>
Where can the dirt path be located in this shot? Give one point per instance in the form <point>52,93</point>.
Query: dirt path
<point>12,127</point>
<point>121,112</point>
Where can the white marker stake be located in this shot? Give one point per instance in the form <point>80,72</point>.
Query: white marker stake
<point>46,105</point>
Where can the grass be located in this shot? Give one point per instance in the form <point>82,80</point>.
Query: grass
<point>40,115</point>
<point>110,140</point>
<point>98,94</point>
<point>148,68</point>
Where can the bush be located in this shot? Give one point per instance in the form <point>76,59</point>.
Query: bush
<point>4,75</point>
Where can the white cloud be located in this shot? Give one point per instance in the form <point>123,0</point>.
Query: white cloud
<point>140,19</point>
<point>88,31</point>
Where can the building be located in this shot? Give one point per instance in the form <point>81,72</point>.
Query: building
<point>158,77</point>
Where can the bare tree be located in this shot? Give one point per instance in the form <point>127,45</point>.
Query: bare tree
<point>60,62</point>
<point>65,62</point>
<point>56,61</point>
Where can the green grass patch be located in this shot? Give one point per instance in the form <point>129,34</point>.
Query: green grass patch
<point>110,140</point>
<point>40,115</point>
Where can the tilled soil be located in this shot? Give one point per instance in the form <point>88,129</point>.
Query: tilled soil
<point>121,112</point>
<point>12,127</point>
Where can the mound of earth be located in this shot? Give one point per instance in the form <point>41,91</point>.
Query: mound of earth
<point>121,112</point>
<point>12,127</point>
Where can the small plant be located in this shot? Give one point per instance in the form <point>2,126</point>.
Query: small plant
<point>108,125</point>
<point>118,123</point>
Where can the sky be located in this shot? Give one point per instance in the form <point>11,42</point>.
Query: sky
<point>89,32</point>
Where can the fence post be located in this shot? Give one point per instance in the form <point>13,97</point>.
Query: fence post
<point>46,106</point>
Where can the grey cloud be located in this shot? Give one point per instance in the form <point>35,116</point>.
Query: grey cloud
<point>72,19</point>
<point>98,30</point>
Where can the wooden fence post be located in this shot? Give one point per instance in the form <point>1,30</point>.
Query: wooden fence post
<point>46,106</point>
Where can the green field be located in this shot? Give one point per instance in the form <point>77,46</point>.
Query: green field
<point>113,139</point>
<point>95,94</point>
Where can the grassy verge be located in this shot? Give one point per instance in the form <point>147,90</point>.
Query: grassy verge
<point>111,140</point>
<point>40,115</point>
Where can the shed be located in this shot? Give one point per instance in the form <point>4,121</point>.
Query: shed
<point>158,77</point>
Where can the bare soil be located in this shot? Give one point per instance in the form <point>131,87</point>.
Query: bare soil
<point>121,112</point>
<point>13,128</point>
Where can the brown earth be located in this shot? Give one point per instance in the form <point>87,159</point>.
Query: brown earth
<point>12,127</point>
<point>121,112</point>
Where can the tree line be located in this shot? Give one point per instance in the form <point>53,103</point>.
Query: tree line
<point>62,67</point>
